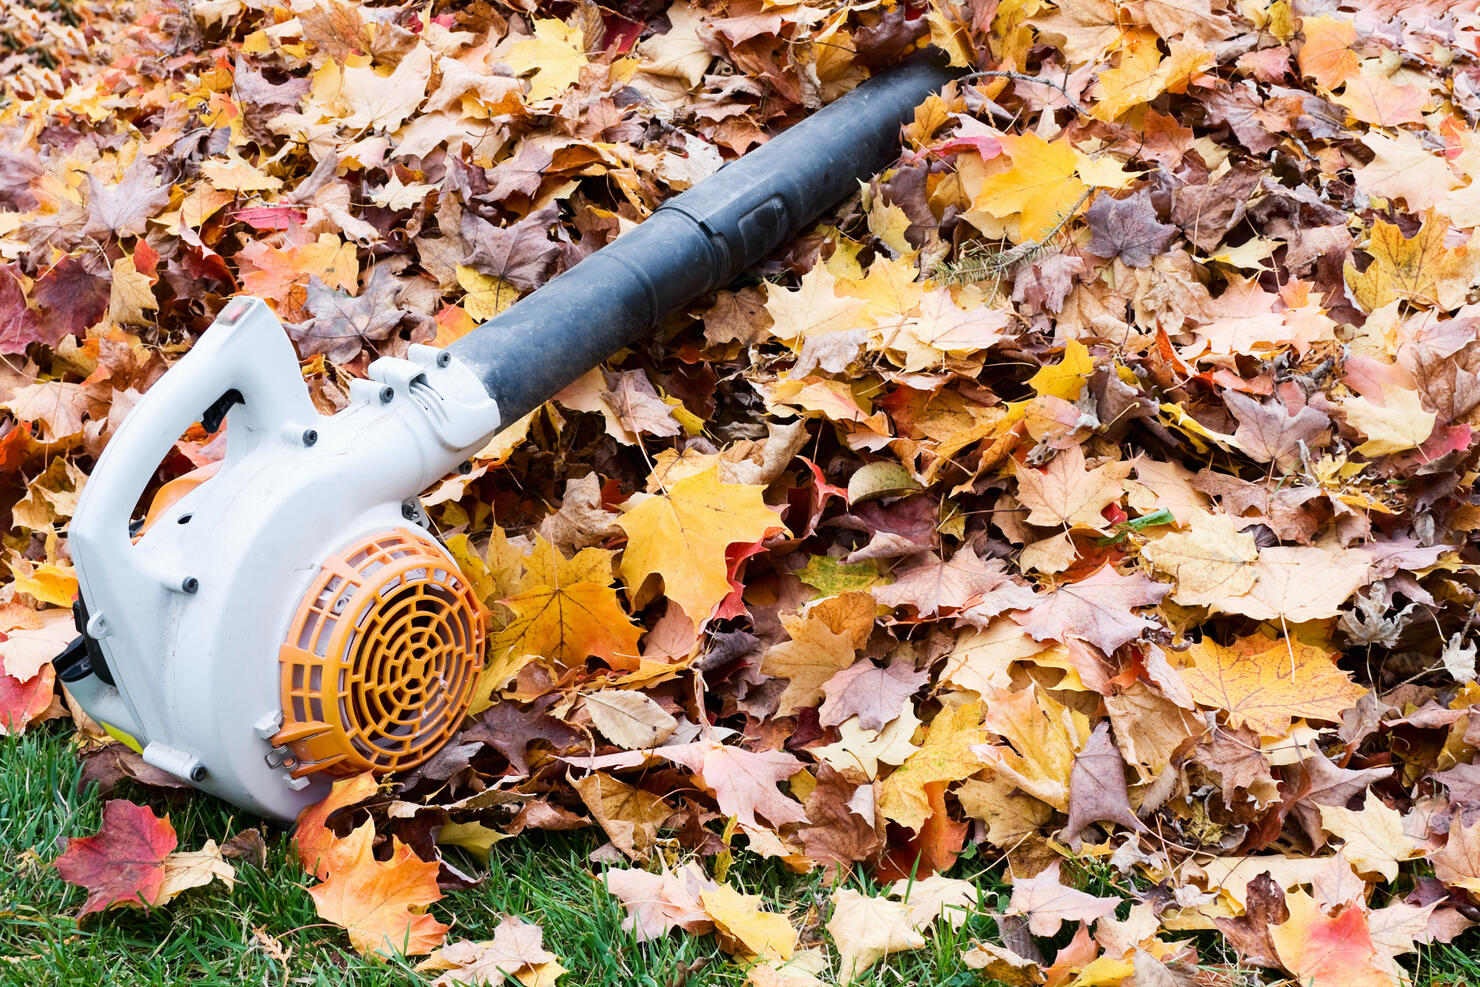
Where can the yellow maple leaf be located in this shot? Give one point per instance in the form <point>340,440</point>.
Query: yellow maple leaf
<point>861,749</point>
<point>1213,560</point>
<point>487,295</point>
<point>1044,736</point>
<point>46,582</point>
<point>946,755</point>
<point>889,223</point>
<point>1373,836</point>
<point>825,639</point>
<point>1400,422</point>
<point>1419,269</point>
<point>130,294</point>
<point>1142,74</point>
<point>1265,682</point>
<point>1132,81</point>
<point>1066,378</point>
<point>565,610</point>
<point>236,174</point>
<point>813,309</point>
<point>555,56</point>
<point>682,535</point>
<point>746,931</point>
<point>1042,188</point>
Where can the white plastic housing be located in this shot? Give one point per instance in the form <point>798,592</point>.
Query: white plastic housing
<point>190,617</point>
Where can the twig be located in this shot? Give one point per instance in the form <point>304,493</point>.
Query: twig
<point>1020,77</point>
<point>979,266</point>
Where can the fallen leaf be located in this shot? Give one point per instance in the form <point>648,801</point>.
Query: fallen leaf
<point>554,55</point>
<point>312,837</point>
<point>945,755</point>
<point>1458,862</point>
<point>865,930</point>
<point>1041,189</point>
<point>1265,682</point>
<point>1048,902</point>
<point>659,903</point>
<point>825,639</point>
<point>1065,492</point>
<point>873,694</point>
<point>863,750</point>
<point>1325,950</point>
<point>1100,610</point>
<point>630,719</point>
<point>682,535</point>
<point>124,863</point>
<point>515,952</point>
<point>383,102</point>
<point>744,782</point>
<point>1097,790</point>
<point>26,650</point>
<point>1127,229</point>
<point>630,816</point>
<point>565,610</point>
<point>194,869</point>
<point>1372,837</point>
<point>937,897</point>
<point>382,903</point>
<point>1328,53</point>
<point>743,929</point>
<point>1213,560</point>
<point>1401,422</point>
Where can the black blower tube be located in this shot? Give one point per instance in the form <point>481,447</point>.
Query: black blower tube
<point>693,243</point>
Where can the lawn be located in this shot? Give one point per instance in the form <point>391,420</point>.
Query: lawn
<point>266,931</point>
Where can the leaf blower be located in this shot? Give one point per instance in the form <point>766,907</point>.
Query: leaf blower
<point>288,618</point>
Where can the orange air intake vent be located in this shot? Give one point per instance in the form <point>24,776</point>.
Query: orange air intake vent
<point>381,659</point>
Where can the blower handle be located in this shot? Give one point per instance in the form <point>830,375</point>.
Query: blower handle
<point>693,243</point>
<point>244,362</point>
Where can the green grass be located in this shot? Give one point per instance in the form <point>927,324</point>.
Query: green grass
<point>266,932</point>
<point>210,936</point>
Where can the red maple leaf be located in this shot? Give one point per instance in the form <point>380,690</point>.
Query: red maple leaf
<point>124,863</point>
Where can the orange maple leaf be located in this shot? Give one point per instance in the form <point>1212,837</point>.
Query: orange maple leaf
<point>312,838</point>
<point>1328,54</point>
<point>1265,682</point>
<point>382,903</point>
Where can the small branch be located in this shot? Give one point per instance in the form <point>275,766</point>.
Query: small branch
<point>995,265</point>
<point>1020,77</point>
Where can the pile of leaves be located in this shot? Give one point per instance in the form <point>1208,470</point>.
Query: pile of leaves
<point>1098,484</point>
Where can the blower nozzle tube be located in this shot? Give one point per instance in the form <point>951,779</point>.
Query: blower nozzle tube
<point>693,243</point>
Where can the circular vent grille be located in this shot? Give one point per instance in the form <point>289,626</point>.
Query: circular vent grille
<point>380,661</point>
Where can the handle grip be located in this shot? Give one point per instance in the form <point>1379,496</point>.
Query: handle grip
<point>245,350</point>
